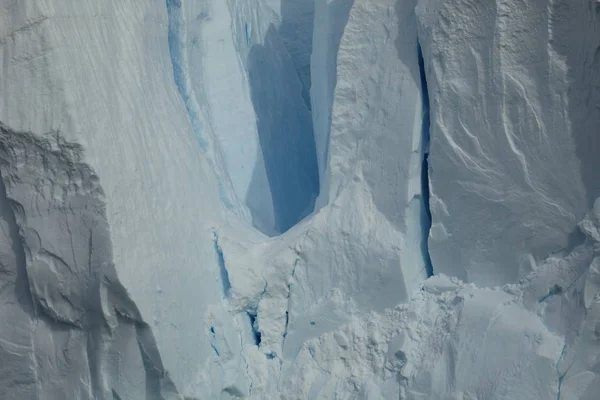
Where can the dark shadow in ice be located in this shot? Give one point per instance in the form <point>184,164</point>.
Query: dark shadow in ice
<point>226,284</point>
<point>425,139</point>
<point>409,51</point>
<point>254,326</point>
<point>296,31</point>
<point>285,133</point>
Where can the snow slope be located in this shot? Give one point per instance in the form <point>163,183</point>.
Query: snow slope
<point>248,199</point>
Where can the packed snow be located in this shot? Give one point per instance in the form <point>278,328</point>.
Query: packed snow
<point>299,199</point>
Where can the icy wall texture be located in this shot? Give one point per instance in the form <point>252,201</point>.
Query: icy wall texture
<point>248,106</point>
<point>99,75</point>
<point>515,123</point>
<point>70,329</point>
<point>233,199</point>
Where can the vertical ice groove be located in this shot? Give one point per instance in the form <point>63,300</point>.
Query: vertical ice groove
<point>425,139</point>
<point>179,60</point>
<point>176,34</point>
<point>158,381</point>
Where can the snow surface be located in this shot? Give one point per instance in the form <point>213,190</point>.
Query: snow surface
<point>299,199</point>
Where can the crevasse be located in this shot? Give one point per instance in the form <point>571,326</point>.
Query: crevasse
<point>264,159</point>
<point>425,139</point>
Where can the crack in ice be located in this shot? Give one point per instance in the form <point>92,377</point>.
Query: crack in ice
<point>426,217</point>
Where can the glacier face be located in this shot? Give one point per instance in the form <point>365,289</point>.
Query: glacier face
<point>514,132</point>
<point>247,199</point>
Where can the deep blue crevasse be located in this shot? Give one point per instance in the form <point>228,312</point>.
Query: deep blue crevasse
<point>425,140</point>
<point>284,123</point>
<point>255,331</point>
<point>213,339</point>
<point>222,269</point>
<point>285,132</point>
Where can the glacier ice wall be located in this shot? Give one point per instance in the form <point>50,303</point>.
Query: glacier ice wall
<point>239,199</point>
<point>514,120</point>
<point>230,59</point>
<point>99,75</point>
<point>68,307</point>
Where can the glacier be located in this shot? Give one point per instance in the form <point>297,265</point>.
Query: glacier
<point>299,199</point>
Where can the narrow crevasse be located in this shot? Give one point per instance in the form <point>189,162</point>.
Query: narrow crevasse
<point>560,375</point>
<point>425,140</point>
<point>224,275</point>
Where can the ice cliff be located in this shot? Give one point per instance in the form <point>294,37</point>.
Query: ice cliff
<point>299,199</point>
